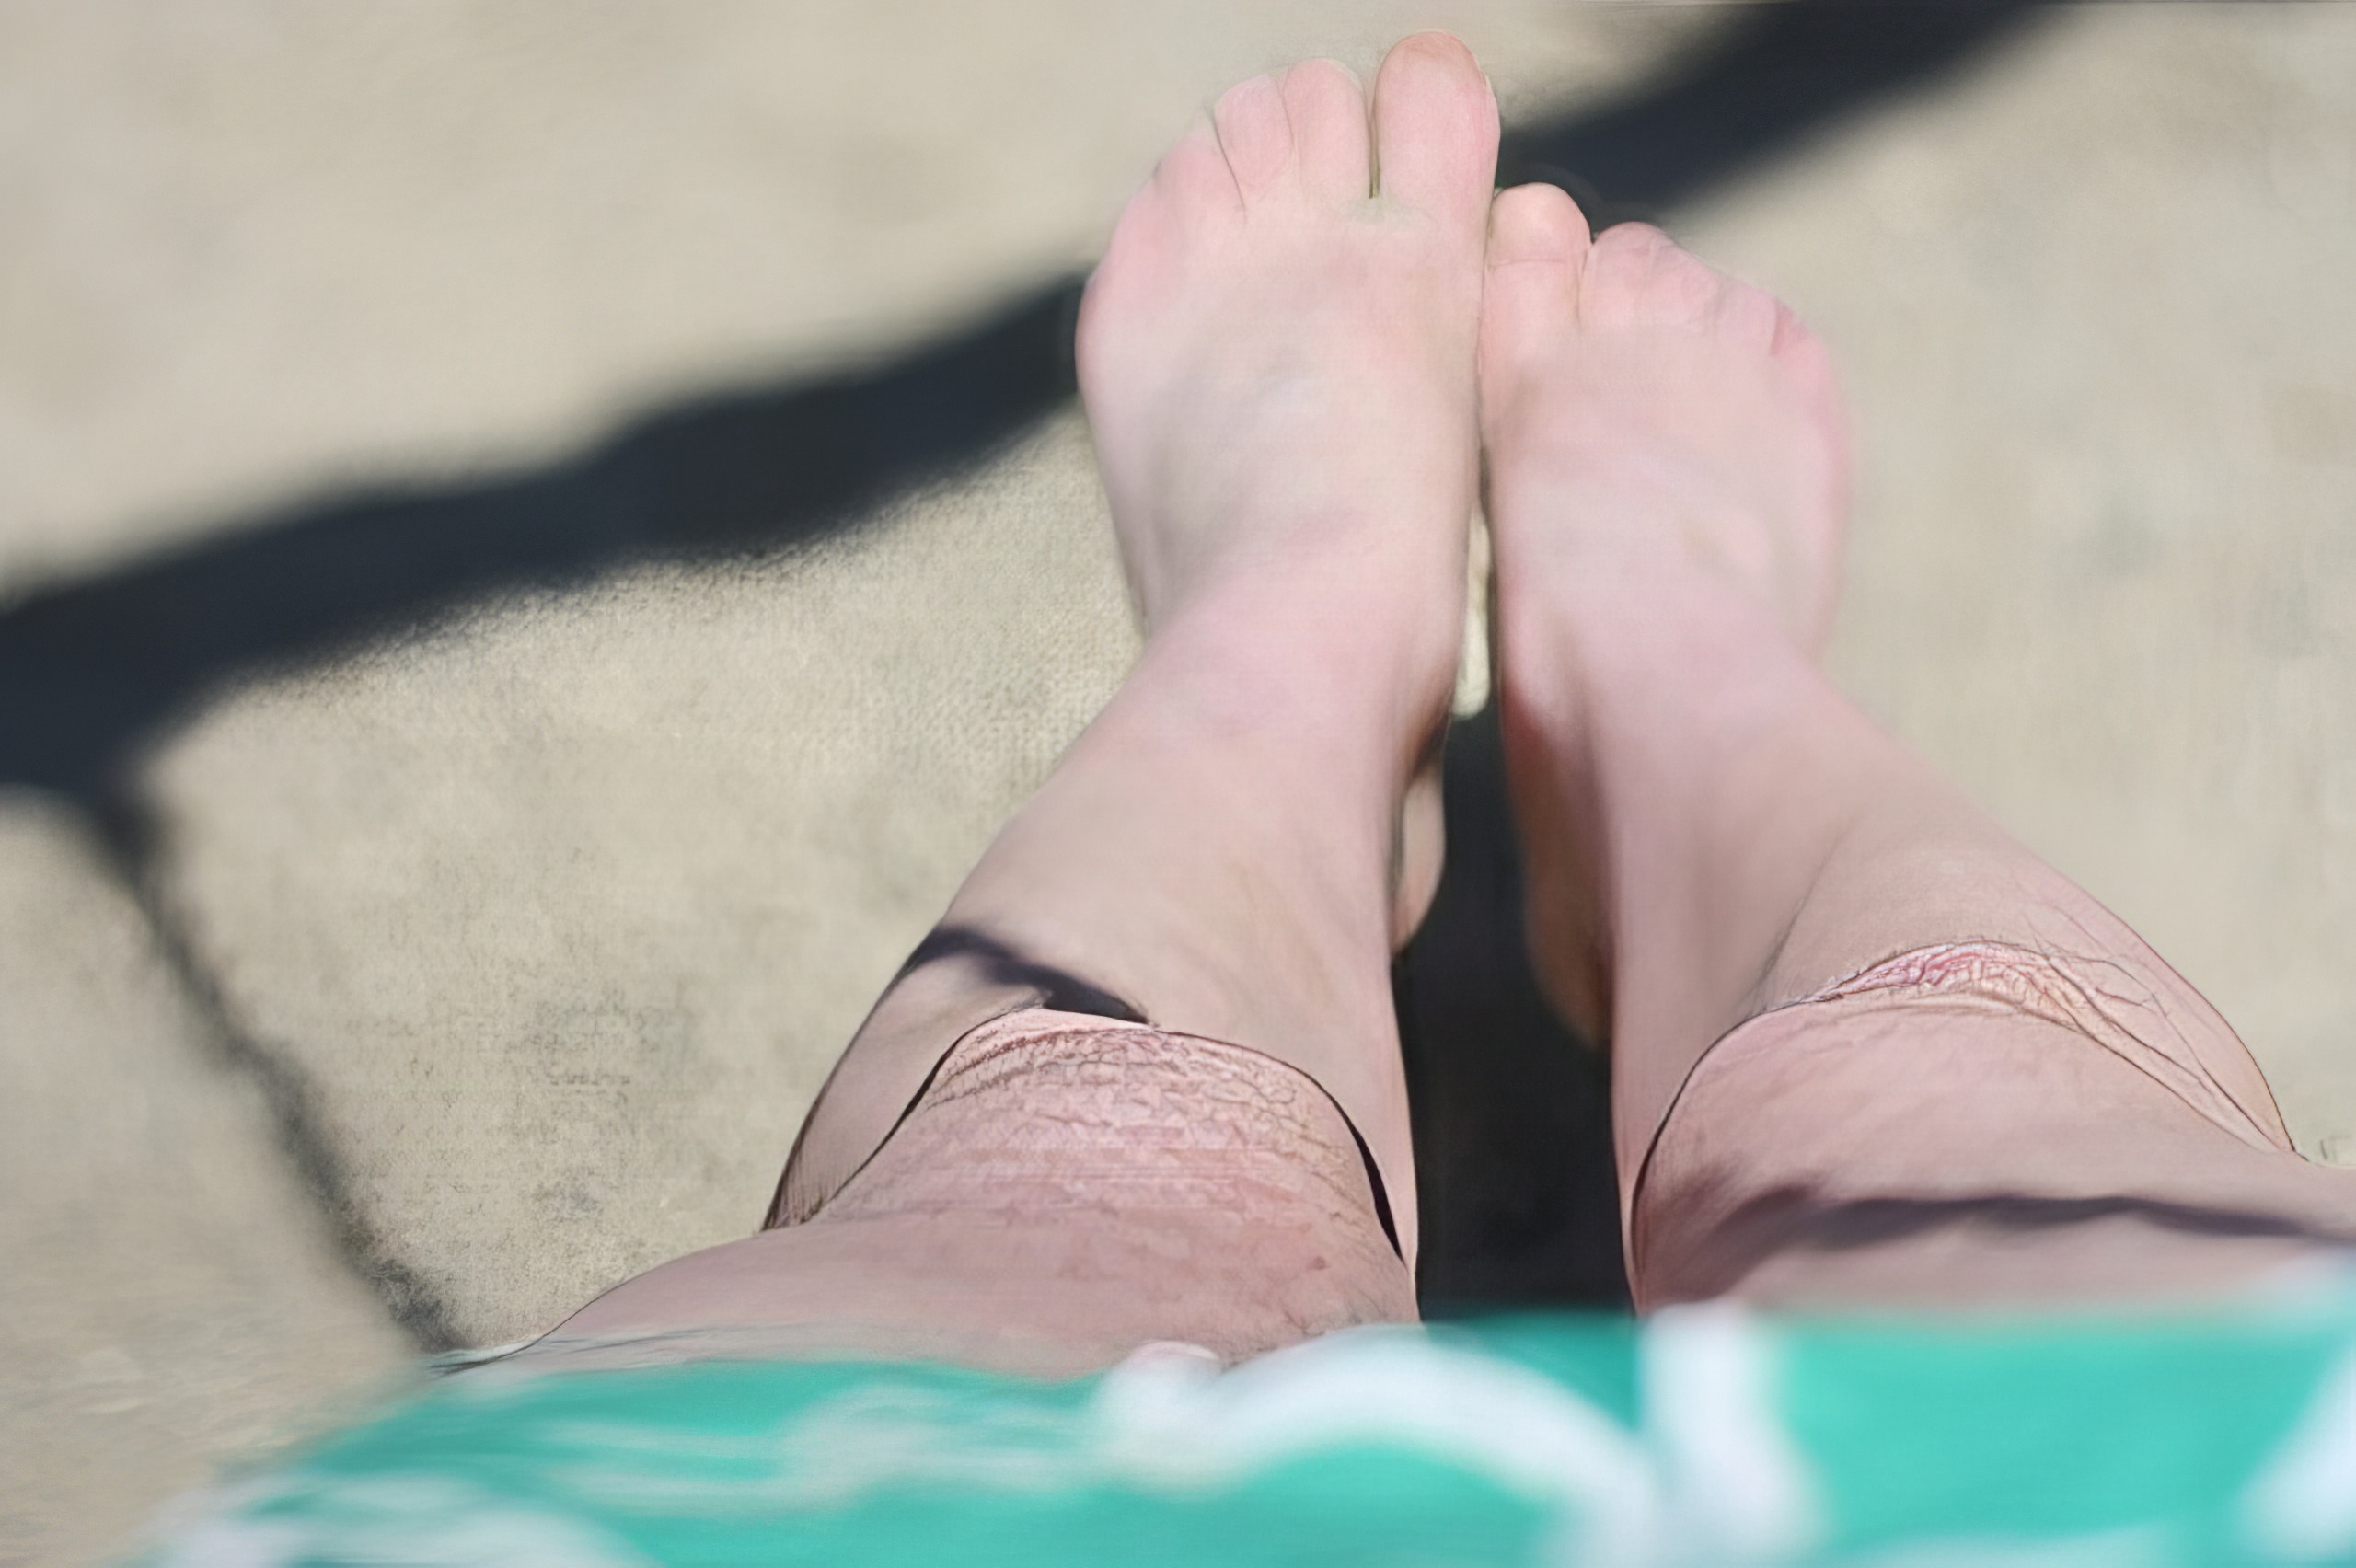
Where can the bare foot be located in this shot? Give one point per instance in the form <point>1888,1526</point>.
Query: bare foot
<point>1277,355</point>
<point>1729,859</point>
<point>1667,481</point>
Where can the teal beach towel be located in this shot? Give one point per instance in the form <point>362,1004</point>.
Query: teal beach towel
<point>1704,1435</point>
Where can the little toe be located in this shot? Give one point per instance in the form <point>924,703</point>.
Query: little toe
<point>1637,276</point>
<point>1255,132</point>
<point>1797,346</point>
<point>1435,129</point>
<point>1748,316</point>
<point>1803,359</point>
<point>1327,108</point>
<point>1195,174</point>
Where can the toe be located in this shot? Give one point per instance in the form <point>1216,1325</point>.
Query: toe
<point>1537,223</point>
<point>1538,244</point>
<point>1436,129</point>
<point>1195,174</point>
<point>1255,132</point>
<point>1327,108</point>
<point>1637,276</point>
<point>1748,316</point>
<point>1795,345</point>
<point>1806,361</point>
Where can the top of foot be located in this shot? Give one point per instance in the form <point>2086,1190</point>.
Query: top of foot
<point>1623,367</point>
<point>1276,351</point>
<point>1667,456</point>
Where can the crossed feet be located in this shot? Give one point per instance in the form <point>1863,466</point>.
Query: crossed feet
<point>1311,327</point>
<point>1314,340</point>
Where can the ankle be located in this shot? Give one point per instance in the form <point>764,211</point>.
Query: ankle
<point>1618,531</point>
<point>1365,662</point>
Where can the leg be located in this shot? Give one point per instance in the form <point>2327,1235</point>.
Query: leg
<point>1867,1048</point>
<point>1277,364</point>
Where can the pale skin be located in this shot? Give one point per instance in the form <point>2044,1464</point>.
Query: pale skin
<point>1311,328</point>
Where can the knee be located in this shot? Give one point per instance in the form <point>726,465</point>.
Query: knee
<point>1217,1193</point>
<point>1940,1125</point>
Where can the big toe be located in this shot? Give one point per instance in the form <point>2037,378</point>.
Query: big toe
<point>1538,246</point>
<point>1435,129</point>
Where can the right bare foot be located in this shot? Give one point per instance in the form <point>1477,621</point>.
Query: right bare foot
<point>1667,476</point>
<point>1836,990</point>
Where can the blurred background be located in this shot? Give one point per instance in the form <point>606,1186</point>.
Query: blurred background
<point>537,541</point>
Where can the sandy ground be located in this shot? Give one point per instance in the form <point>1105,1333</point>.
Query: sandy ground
<point>420,980</point>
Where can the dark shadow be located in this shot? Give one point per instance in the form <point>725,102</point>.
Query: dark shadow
<point>1718,1256</point>
<point>91,672</point>
<point>94,673</point>
<point>999,965</point>
<point>1512,1114</point>
<point>1759,89</point>
<point>293,1103</point>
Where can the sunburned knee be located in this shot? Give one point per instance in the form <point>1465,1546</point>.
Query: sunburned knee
<point>1977,1098</point>
<point>2075,991</point>
<point>1217,1188</point>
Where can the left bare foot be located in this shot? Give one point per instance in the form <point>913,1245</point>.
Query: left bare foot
<point>1277,358</point>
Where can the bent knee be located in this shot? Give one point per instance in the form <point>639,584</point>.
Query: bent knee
<point>1966,1122</point>
<point>1190,1188</point>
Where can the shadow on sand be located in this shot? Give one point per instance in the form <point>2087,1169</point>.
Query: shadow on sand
<point>1516,1164</point>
